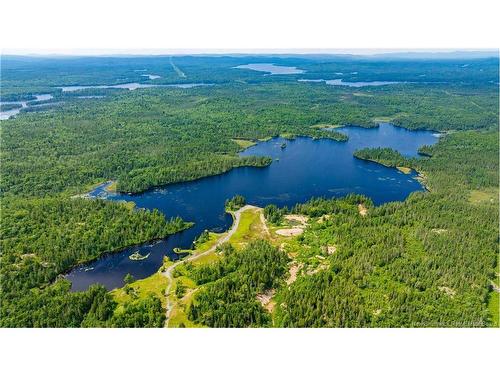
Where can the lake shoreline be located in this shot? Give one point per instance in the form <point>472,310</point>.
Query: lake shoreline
<point>329,169</point>
<point>420,176</point>
<point>152,241</point>
<point>114,190</point>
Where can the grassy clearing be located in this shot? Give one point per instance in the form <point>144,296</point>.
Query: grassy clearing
<point>178,317</point>
<point>154,284</point>
<point>362,94</point>
<point>289,136</point>
<point>249,229</point>
<point>326,126</point>
<point>494,308</point>
<point>244,143</point>
<point>212,239</point>
<point>383,119</point>
<point>389,118</point>
<point>489,196</point>
<point>200,248</point>
<point>207,258</point>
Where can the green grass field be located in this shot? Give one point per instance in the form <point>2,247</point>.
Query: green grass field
<point>244,143</point>
<point>154,284</point>
<point>494,308</point>
<point>489,196</point>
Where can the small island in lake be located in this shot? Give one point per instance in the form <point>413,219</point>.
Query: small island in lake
<point>138,256</point>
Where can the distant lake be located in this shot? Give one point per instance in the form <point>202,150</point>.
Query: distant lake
<point>5,115</point>
<point>131,86</point>
<point>340,82</point>
<point>306,168</point>
<point>271,68</point>
<point>150,76</point>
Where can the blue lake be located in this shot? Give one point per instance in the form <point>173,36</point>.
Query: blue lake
<point>340,82</point>
<point>271,68</point>
<point>306,168</point>
<point>132,86</point>
<point>5,115</point>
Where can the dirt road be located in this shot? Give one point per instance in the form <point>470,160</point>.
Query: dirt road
<point>168,272</point>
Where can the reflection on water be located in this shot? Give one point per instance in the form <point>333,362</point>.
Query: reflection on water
<point>271,68</point>
<point>340,82</point>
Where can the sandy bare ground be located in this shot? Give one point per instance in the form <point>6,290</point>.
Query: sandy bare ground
<point>224,238</point>
<point>188,294</point>
<point>265,300</point>
<point>290,232</point>
<point>363,211</point>
<point>264,225</point>
<point>331,249</point>
<point>439,231</point>
<point>294,269</point>
<point>295,230</point>
<point>300,218</point>
<point>323,218</point>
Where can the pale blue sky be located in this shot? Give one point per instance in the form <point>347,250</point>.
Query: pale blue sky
<point>159,51</point>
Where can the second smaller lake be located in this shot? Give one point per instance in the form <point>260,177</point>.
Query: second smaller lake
<point>271,68</point>
<point>340,82</point>
<point>151,76</point>
<point>5,115</point>
<point>131,86</point>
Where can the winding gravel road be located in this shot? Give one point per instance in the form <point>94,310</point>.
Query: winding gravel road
<point>168,272</point>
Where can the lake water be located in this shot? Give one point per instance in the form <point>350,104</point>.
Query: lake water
<point>131,86</point>
<point>151,76</point>
<point>5,115</point>
<point>340,82</point>
<point>306,168</point>
<point>271,68</point>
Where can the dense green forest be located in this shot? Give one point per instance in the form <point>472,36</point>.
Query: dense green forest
<point>230,298</point>
<point>274,214</point>
<point>427,261</point>
<point>385,156</point>
<point>23,76</point>
<point>235,203</point>
<point>44,237</point>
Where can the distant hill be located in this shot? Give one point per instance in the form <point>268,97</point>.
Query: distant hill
<point>458,55</point>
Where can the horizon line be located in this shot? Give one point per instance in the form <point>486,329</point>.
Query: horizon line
<point>366,52</point>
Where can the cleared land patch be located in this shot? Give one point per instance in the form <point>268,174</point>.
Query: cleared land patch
<point>244,143</point>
